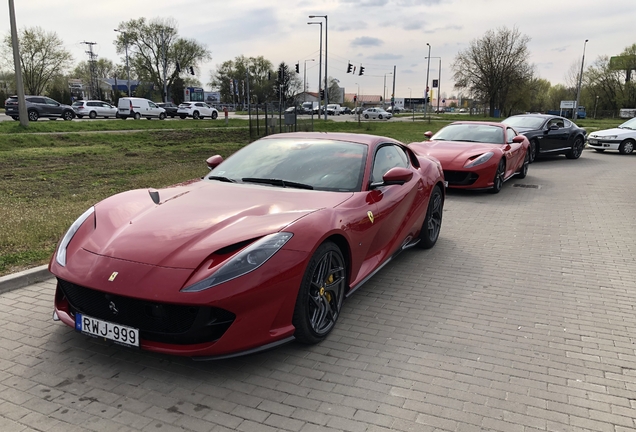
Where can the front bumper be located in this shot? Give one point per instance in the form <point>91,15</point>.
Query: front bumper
<point>601,144</point>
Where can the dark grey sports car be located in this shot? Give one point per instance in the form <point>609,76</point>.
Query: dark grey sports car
<point>549,135</point>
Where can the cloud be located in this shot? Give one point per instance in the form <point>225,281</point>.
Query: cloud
<point>407,71</point>
<point>367,3</point>
<point>413,26</point>
<point>411,3</point>
<point>385,56</point>
<point>366,41</point>
<point>354,25</point>
<point>448,27</point>
<point>559,49</point>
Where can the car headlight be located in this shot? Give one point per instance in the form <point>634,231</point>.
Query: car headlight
<point>610,137</point>
<point>244,262</point>
<point>479,160</point>
<point>60,256</point>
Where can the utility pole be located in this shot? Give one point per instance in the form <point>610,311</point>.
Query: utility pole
<point>393,94</point>
<point>24,119</point>
<point>91,65</point>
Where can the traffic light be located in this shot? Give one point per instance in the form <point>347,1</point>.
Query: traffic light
<point>361,70</point>
<point>298,67</point>
<point>349,68</point>
<point>178,68</point>
<point>269,75</point>
<point>355,98</point>
<point>322,94</point>
<point>428,99</point>
<point>191,70</point>
<point>281,74</point>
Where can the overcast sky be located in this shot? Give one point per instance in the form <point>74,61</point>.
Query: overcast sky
<point>375,33</point>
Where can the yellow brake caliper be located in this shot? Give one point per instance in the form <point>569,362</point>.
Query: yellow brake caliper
<point>326,293</point>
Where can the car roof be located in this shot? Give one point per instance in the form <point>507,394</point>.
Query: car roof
<point>543,116</point>
<point>486,123</point>
<point>365,139</point>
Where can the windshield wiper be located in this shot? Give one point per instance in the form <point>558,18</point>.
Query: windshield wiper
<point>277,182</point>
<point>223,179</point>
<point>465,140</point>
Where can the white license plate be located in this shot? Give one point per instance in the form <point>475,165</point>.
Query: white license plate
<point>108,330</point>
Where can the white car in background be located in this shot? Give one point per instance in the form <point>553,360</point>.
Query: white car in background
<point>379,113</point>
<point>196,110</point>
<point>621,138</point>
<point>94,109</point>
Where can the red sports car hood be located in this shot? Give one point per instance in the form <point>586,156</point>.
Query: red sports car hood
<point>190,222</point>
<point>449,152</point>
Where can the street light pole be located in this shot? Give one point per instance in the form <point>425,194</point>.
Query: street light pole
<point>319,68</point>
<point>428,66</point>
<point>326,55</point>
<point>305,80</point>
<point>384,89</point>
<point>411,102</point>
<point>127,68</point>
<point>575,111</point>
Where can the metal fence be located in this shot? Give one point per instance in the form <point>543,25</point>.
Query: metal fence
<point>268,119</point>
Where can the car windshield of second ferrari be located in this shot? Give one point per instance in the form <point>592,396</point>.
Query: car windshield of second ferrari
<point>471,133</point>
<point>291,162</point>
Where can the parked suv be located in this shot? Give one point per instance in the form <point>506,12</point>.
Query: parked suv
<point>39,106</point>
<point>94,109</point>
<point>196,110</point>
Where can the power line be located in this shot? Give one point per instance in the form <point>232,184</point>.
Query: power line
<point>94,86</point>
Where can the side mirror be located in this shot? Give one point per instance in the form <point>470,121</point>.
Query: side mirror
<point>214,161</point>
<point>397,176</point>
<point>518,139</point>
<point>507,147</point>
<point>428,134</point>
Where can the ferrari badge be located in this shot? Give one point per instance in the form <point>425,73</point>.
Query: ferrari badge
<point>370,216</point>
<point>113,276</point>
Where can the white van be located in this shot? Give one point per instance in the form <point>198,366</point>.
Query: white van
<point>138,108</point>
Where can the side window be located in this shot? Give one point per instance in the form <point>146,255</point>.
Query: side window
<point>152,105</point>
<point>35,100</point>
<point>92,104</point>
<point>510,134</point>
<point>387,157</point>
<point>51,102</point>
<point>567,123</point>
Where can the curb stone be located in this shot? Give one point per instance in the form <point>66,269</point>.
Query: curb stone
<point>24,278</point>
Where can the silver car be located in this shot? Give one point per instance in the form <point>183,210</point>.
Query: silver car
<point>374,113</point>
<point>94,109</point>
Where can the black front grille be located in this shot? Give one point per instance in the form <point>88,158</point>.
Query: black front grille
<point>460,177</point>
<point>160,322</point>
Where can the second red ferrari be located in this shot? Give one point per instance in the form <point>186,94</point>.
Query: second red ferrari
<point>477,155</point>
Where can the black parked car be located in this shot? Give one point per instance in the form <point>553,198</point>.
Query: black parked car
<point>549,135</point>
<point>39,106</point>
<point>171,109</point>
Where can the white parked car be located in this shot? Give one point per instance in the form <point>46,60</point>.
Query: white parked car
<point>621,138</point>
<point>196,110</point>
<point>378,113</point>
<point>139,107</point>
<point>94,109</point>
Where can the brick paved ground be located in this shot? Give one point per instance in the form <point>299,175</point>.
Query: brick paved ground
<point>520,319</point>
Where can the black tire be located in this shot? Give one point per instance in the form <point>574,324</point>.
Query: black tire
<point>600,150</point>
<point>366,116</point>
<point>500,175</point>
<point>523,172</point>
<point>195,115</point>
<point>380,116</point>
<point>433,221</point>
<point>68,115</point>
<point>577,149</point>
<point>182,117</point>
<point>137,116</point>
<point>214,115</point>
<point>320,295</point>
<point>92,114</point>
<point>626,147</point>
<point>33,115</point>
<point>162,116</point>
<point>533,149</point>
<point>79,116</point>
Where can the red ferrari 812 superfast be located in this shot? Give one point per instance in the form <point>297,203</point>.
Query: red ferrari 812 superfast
<point>262,250</point>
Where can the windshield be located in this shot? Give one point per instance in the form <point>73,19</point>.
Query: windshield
<point>480,133</point>
<point>629,124</point>
<point>524,122</point>
<point>322,164</point>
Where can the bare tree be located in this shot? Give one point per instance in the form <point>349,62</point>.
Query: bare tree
<point>493,66</point>
<point>42,57</point>
<point>155,44</point>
